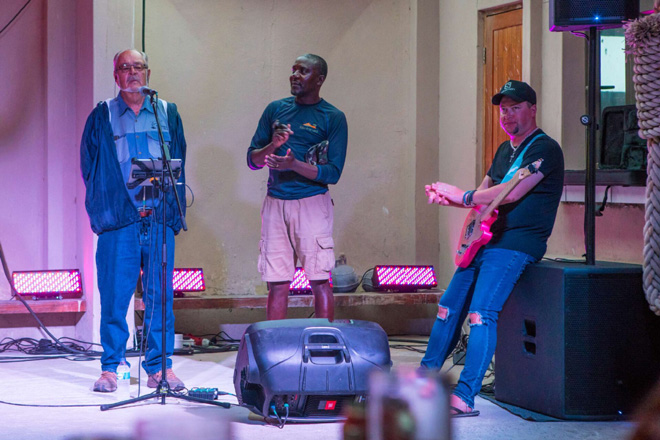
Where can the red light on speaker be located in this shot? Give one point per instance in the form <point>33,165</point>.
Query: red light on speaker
<point>327,405</point>
<point>188,280</point>
<point>51,284</point>
<point>404,278</point>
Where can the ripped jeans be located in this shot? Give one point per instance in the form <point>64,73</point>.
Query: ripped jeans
<point>480,290</point>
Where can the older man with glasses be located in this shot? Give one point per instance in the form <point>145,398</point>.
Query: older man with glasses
<point>126,220</point>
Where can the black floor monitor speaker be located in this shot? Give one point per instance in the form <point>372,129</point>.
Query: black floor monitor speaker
<point>574,15</point>
<point>308,369</point>
<point>577,342</point>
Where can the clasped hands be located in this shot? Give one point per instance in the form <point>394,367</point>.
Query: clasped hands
<point>444,194</point>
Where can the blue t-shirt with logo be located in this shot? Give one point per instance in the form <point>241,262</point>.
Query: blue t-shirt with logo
<point>311,124</point>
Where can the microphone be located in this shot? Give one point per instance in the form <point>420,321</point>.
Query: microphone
<point>146,91</point>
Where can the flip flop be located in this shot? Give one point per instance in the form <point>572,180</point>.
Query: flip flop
<point>459,413</point>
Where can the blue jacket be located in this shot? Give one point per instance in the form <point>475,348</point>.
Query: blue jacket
<point>107,201</point>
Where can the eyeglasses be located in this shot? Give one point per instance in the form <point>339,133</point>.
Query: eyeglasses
<point>127,67</point>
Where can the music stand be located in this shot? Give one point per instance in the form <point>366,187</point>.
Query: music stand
<point>163,173</point>
<point>144,170</point>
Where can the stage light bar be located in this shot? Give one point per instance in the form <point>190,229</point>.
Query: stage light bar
<point>300,284</point>
<point>48,284</point>
<point>188,280</point>
<point>404,278</point>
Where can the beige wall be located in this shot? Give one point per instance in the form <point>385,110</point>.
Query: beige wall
<point>223,62</point>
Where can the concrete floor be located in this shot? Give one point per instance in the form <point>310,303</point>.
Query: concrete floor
<point>65,382</point>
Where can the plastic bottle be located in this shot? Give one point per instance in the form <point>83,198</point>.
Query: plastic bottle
<point>124,380</point>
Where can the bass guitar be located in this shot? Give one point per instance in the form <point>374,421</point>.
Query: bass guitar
<point>476,229</point>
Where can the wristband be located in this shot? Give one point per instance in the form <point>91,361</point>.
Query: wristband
<point>468,198</point>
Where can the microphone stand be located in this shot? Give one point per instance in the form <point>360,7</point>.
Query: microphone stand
<point>163,389</point>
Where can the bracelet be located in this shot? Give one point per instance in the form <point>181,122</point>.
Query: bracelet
<point>467,197</point>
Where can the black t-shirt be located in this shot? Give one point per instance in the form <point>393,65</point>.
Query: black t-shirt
<point>525,225</point>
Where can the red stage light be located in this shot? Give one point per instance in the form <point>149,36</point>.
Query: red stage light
<point>51,284</point>
<point>188,280</point>
<point>404,278</point>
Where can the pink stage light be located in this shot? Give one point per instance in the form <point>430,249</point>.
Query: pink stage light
<point>188,280</point>
<point>404,278</point>
<point>300,284</point>
<point>50,284</point>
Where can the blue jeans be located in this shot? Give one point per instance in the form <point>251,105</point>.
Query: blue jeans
<point>480,290</point>
<point>119,256</point>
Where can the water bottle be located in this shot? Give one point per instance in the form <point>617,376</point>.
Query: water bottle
<point>124,380</point>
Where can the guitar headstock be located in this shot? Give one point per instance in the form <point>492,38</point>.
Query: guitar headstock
<point>530,169</point>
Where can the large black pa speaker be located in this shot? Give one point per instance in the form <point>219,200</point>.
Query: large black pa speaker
<point>577,342</point>
<point>308,369</point>
<point>573,15</point>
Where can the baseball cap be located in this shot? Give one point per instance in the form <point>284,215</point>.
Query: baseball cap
<point>517,90</point>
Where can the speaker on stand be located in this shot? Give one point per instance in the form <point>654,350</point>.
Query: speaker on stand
<point>575,15</point>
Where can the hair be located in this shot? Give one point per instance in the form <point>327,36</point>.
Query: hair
<point>318,62</point>
<point>144,57</point>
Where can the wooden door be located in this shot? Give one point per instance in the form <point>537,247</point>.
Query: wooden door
<point>502,62</point>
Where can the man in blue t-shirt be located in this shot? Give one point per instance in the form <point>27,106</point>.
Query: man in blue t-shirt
<point>526,216</point>
<point>302,140</point>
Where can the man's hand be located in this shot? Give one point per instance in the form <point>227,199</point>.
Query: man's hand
<point>433,196</point>
<point>281,163</point>
<point>281,134</point>
<point>444,194</point>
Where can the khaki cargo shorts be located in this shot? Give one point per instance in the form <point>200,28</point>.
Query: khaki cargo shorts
<point>294,230</point>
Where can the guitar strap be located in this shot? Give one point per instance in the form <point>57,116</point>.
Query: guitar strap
<point>516,165</point>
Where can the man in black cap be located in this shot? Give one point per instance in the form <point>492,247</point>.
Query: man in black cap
<point>482,284</point>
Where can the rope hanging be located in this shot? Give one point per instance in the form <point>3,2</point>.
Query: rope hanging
<point>643,40</point>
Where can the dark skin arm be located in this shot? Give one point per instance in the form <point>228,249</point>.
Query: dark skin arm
<point>266,156</point>
<point>280,136</point>
<point>288,162</point>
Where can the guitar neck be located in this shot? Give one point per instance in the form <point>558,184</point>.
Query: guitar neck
<point>510,185</point>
